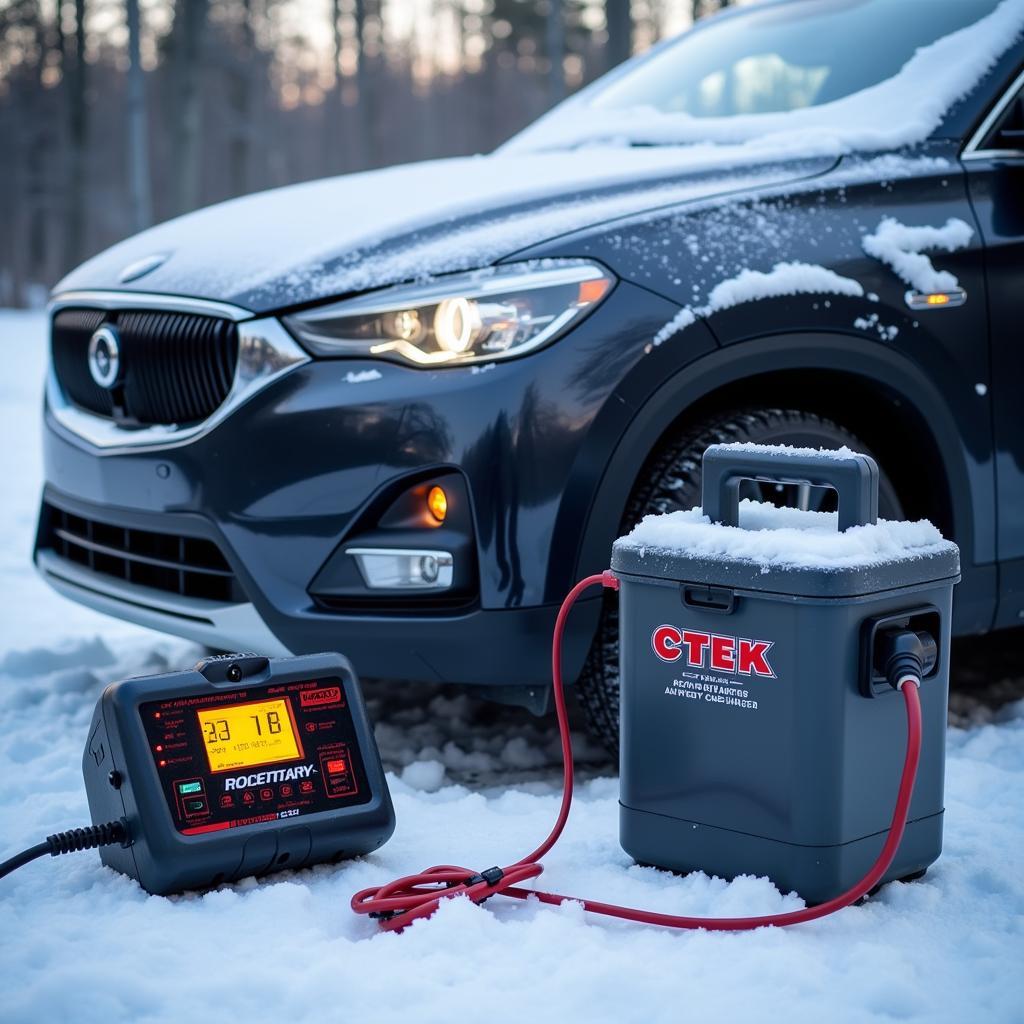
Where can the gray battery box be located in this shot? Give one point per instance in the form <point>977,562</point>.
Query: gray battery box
<point>757,736</point>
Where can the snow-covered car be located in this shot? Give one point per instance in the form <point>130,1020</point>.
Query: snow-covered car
<point>398,413</point>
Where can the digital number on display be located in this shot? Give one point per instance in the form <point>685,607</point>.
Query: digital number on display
<point>247,735</point>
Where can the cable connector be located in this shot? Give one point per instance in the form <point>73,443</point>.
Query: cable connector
<point>76,839</point>
<point>905,655</point>
<point>609,580</point>
<point>492,876</point>
<point>89,838</point>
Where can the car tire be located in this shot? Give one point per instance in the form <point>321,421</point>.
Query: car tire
<point>670,480</point>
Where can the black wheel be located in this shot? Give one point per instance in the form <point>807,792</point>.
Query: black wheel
<point>670,480</point>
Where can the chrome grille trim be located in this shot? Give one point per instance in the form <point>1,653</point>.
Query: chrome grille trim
<point>266,352</point>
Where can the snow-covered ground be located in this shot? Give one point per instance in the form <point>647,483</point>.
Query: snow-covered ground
<point>474,784</point>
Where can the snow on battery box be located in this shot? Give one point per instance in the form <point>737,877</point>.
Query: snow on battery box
<point>757,734</point>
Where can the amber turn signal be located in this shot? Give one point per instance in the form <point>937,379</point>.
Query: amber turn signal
<point>437,502</point>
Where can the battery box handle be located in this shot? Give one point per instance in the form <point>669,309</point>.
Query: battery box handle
<point>708,599</point>
<point>853,477</point>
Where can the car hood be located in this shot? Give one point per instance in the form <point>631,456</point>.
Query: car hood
<point>322,239</point>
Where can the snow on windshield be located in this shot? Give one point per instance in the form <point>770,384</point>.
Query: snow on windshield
<point>899,111</point>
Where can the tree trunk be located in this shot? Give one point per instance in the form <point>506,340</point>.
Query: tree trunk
<point>620,30</point>
<point>138,138</point>
<point>336,102</point>
<point>245,76</point>
<point>556,51</point>
<point>189,29</point>
<point>78,132</point>
<point>364,105</point>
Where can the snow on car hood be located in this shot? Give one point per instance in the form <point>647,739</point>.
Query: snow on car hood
<point>341,235</point>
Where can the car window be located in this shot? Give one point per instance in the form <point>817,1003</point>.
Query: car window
<point>787,56</point>
<point>1006,133</point>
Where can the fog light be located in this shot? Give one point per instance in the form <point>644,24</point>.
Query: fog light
<point>404,569</point>
<point>437,502</point>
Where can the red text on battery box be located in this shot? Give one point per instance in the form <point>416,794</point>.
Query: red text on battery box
<point>712,650</point>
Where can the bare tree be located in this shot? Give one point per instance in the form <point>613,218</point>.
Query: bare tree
<point>189,31</point>
<point>78,137</point>
<point>556,50</point>
<point>619,17</point>
<point>136,126</point>
<point>244,80</point>
<point>337,94</point>
<point>364,107</point>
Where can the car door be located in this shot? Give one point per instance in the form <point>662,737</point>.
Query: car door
<point>994,159</point>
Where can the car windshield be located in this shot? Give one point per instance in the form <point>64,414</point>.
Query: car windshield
<point>814,77</point>
<point>788,56</point>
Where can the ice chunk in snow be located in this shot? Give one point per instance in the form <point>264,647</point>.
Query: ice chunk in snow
<point>424,775</point>
<point>785,538</point>
<point>749,285</point>
<point>899,247</point>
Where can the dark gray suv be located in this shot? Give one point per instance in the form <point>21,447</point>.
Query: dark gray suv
<point>398,413</point>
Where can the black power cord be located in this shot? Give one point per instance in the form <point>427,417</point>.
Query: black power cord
<point>76,839</point>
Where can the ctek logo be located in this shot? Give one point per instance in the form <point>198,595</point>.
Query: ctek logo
<point>709,650</point>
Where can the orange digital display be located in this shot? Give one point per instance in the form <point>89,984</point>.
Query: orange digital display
<point>247,735</point>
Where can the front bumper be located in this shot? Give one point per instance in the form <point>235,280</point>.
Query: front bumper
<point>280,483</point>
<point>235,626</point>
<point>489,648</point>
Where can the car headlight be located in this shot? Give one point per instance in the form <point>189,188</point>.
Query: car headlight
<point>464,318</point>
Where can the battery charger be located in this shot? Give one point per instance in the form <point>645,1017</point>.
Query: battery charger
<point>243,765</point>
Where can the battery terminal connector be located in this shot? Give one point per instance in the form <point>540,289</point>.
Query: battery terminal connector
<point>906,655</point>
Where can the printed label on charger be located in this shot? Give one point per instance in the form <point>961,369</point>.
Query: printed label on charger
<point>320,698</point>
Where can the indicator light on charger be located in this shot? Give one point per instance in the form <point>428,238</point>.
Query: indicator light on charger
<point>437,502</point>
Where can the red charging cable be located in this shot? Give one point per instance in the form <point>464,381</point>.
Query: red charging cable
<point>402,901</point>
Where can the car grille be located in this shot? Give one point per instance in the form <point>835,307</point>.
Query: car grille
<point>177,367</point>
<point>187,566</point>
